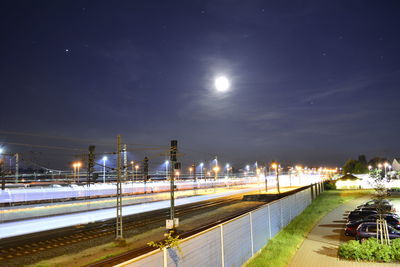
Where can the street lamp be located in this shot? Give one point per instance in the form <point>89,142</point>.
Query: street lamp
<point>201,170</point>
<point>136,171</point>
<point>276,167</point>
<point>369,167</point>
<point>227,169</point>
<point>190,171</point>
<point>386,165</point>
<point>78,164</point>
<point>74,165</point>
<point>216,170</point>
<point>104,169</point>
<point>133,170</point>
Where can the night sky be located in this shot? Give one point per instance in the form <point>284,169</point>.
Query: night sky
<point>312,82</point>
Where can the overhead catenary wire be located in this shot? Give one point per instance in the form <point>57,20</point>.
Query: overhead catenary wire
<point>73,139</point>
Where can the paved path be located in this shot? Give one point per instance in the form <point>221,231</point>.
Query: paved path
<point>321,245</point>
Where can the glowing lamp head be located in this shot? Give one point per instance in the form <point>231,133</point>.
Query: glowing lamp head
<point>221,84</point>
<point>274,165</point>
<point>216,169</point>
<point>105,158</point>
<point>201,164</point>
<point>1,151</point>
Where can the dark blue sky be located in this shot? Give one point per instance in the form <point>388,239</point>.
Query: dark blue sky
<point>314,82</point>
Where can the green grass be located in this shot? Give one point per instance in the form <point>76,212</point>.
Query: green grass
<point>281,248</point>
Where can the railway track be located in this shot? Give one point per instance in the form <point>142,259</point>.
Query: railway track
<point>140,251</point>
<point>12,249</point>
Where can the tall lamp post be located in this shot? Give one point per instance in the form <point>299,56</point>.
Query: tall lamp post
<point>133,170</point>
<point>2,169</point>
<point>227,169</point>
<point>74,165</point>
<point>136,171</point>
<point>201,170</point>
<point>104,169</point>
<point>385,165</point>
<point>276,167</point>
<point>78,164</point>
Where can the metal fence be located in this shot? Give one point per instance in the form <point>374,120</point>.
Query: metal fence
<point>232,243</point>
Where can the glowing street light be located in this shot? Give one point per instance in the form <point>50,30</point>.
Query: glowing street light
<point>201,169</point>
<point>136,171</point>
<point>133,170</point>
<point>227,169</point>
<point>276,167</point>
<point>369,167</point>
<point>104,169</point>
<point>216,170</point>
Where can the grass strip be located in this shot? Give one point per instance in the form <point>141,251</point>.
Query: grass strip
<point>281,248</point>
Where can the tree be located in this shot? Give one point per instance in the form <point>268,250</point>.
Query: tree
<point>379,183</point>
<point>375,161</point>
<point>349,166</point>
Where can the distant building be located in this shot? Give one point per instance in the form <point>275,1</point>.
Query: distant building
<point>396,164</point>
<point>348,181</point>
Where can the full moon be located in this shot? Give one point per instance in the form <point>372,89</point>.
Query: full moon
<point>221,84</point>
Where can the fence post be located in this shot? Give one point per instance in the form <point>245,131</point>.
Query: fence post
<point>269,222</point>
<point>251,234</point>
<point>222,247</point>
<point>280,201</point>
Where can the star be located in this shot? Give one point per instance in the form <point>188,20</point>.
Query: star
<point>66,50</point>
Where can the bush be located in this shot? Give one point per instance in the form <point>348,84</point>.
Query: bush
<point>329,185</point>
<point>370,250</point>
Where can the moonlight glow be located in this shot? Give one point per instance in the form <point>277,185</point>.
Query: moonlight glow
<point>221,84</point>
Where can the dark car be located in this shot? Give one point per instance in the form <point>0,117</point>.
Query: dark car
<point>374,202</point>
<point>392,220</point>
<point>360,214</point>
<point>368,229</point>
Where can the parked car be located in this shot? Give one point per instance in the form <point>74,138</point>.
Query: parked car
<point>392,220</point>
<point>373,202</point>
<point>360,214</point>
<point>369,229</point>
<point>386,205</point>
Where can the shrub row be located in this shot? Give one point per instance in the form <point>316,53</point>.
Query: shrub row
<point>370,250</point>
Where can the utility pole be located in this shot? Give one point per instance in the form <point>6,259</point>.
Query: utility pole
<point>91,157</point>
<point>266,178</point>
<point>119,237</point>
<point>173,222</point>
<point>125,163</point>
<point>277,178</point>
<point>145,172</point>
<point>16,167</point>
<point>3,178</point>
<point>194,172</point>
